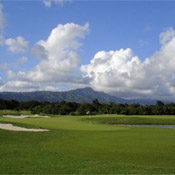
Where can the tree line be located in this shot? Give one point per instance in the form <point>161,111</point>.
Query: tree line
<point>73,108</point>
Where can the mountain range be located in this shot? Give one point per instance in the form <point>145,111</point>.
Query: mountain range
<point>84,95</point>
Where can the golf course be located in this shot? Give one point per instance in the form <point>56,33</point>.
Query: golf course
<point>101,144</point>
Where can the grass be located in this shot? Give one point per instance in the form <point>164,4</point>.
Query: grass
<point>74,146</point>
<point>139,120</point>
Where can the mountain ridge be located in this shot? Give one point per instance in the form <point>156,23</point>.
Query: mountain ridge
<point>81,95</point>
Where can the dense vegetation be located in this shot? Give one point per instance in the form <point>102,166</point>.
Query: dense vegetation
<point>73,108</point>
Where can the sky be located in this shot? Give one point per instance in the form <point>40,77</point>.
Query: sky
<point>124,48</point>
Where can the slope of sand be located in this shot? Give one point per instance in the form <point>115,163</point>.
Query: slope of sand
<point>17,128</point>
<point>25,116</point>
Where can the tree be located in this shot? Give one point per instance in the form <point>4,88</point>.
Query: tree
<point>160,103</point>
<point>96,103</point>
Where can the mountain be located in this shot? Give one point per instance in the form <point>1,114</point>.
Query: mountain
<point>84,95</point>
<point>143,101</point>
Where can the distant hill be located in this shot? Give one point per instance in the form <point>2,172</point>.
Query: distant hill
<point>84,95</point>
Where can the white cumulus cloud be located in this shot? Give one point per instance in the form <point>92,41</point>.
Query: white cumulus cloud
<point>60,58</point>
<point>123,73</point>
<point>17,45</point>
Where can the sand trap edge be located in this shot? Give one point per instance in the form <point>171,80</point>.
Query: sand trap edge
<point>25,116</point>
<point>10,127</point>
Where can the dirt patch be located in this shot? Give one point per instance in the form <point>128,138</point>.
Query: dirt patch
<point>17,128</point>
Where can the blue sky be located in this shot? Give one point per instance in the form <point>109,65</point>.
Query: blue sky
<point>112,25</point>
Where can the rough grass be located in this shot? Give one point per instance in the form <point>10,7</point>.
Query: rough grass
<point>83,147</point>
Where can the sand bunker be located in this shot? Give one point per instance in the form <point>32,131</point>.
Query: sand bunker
<point>25,116</point>
<point>17,128</point>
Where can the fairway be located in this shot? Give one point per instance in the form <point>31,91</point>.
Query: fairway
<point>87,145</point>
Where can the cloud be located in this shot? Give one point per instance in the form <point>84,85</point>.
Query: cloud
<point>17,45</point>
<point>39,51</point>
<point>18,86</point>
<point>60,59</point>
<point>23,86</point>
<point>0,81</point>
<point>48,3</point>
<point>123,73</point>
<point>113,70</point>
<point>10,74</point>
<point>167,35</point>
